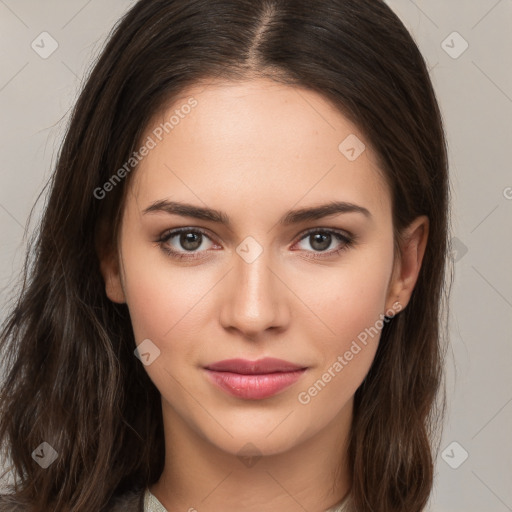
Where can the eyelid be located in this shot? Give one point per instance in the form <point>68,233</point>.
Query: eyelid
<point>175,231</point>
<point>337,231</point>
<point>347,237</point>
<point>171,233</point>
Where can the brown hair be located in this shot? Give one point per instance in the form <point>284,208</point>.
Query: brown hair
<point>72,379</point>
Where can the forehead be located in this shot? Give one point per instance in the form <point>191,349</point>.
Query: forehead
<point>257,142</point>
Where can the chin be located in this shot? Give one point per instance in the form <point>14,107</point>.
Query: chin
<point>276,437</point>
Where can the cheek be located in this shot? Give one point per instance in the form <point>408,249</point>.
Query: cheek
<point>359,301</point>
<point>163,299</point>
<point>352,313</point>
<point>351,303</point>
<point>160,308</point>
<point>351,298</point>
<point>166,302</point>
<point>152,308</point>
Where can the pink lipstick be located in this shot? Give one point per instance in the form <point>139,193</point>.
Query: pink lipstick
<point>254,380</point>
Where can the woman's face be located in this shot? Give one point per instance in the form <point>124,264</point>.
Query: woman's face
<point>268,281</point>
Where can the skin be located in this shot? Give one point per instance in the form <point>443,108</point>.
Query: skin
<point>255,150</point>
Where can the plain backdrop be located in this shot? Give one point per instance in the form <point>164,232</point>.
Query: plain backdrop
<point>468,48</point>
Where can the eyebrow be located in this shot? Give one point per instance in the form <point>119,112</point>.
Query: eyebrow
<point>289,218</point>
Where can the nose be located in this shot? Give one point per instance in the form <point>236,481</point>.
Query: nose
<point>254,299</point>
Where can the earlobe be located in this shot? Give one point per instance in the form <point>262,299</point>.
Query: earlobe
<point>410,260</point>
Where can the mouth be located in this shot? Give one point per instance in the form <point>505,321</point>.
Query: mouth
<point>254,380</point>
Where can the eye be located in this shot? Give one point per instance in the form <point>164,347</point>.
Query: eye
<point>189,241</point>
<point>321,239</point>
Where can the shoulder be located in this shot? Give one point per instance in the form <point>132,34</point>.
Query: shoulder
<point>132,501</point>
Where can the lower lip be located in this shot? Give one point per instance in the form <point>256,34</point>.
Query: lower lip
<point>254,387</point>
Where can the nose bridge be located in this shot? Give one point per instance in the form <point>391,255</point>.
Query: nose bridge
<point>254,301</point>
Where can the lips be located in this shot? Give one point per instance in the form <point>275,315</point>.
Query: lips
<point>261,366</point>
<point>254,380</point>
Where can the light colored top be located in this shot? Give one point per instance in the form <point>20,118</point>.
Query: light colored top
<point>151,504</point>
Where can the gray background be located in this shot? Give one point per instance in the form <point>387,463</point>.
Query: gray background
<point>475,94</point>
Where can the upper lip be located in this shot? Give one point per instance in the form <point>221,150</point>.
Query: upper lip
<point>260,366</point>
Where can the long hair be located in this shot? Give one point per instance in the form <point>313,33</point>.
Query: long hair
<point>71,378</point>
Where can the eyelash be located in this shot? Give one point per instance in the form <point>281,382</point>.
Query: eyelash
<point>347,239</point>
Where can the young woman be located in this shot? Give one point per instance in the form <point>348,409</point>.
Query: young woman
<point>235,299</point>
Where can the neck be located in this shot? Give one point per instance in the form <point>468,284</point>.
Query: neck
<point>312,475</point>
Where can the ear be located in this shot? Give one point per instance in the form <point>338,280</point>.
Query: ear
<point>408,262</point>
<point>110,270</point>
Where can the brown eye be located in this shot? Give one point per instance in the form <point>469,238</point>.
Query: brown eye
<point>321,240</point>
<point>186,243</point>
